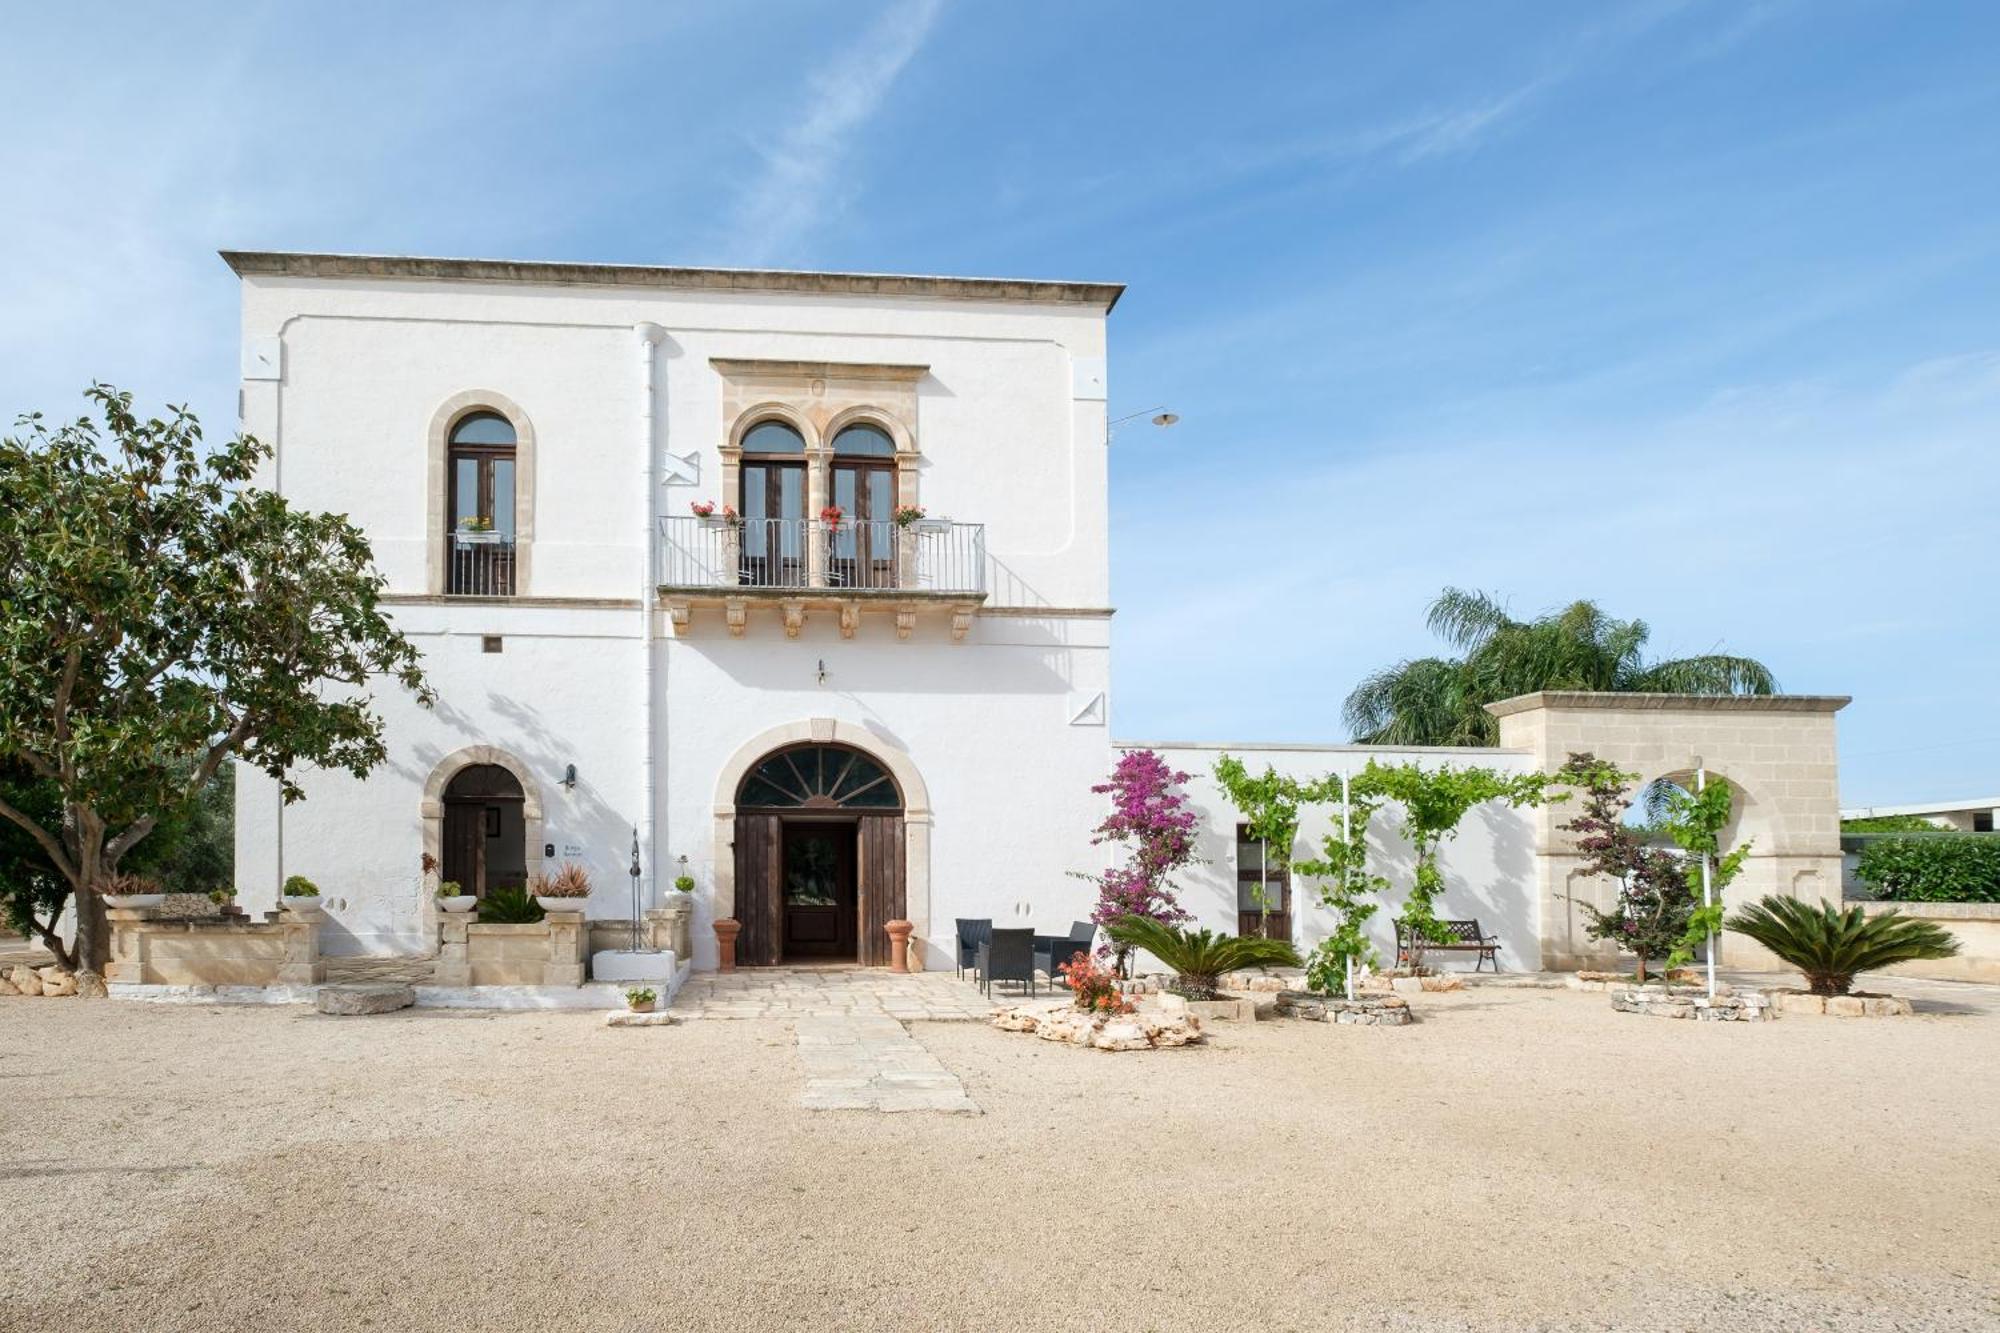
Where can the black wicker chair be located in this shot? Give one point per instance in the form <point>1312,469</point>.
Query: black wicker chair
<point>1052,951</point>
<point>972,932</point>
<point>1008,955</point>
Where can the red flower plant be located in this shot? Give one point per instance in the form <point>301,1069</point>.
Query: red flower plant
<point>832,515</point>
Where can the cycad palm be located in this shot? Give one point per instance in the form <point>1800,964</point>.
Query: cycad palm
<point>1199,958</point>
<point>1830,944</point>
<point>1442,701</point>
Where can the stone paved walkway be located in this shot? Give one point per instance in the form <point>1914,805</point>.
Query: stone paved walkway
<point>788,992</point>
<point>870,1062</point>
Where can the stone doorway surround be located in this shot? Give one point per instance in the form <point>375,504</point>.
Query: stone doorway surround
<point>431,808</point>
<point>831,731</point>
<point>1780,752</point>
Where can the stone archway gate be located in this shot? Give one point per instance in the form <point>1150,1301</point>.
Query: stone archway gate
<point>1778,751</point>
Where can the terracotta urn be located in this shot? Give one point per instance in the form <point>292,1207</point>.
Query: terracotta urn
<point>726,930</point>
<point>899,944</point>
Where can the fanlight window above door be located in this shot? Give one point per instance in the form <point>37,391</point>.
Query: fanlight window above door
<point>819,777</point>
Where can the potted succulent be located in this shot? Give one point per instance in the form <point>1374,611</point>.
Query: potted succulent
<point>452,897</point>
<point>301,895</point>
<point>640,999</point>
<point>568,890</point>
<point>127,891</point>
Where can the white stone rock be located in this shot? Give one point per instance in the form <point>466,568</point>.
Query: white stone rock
<point>58,981</point>
<point>364,998</point>
<point>26,980</point>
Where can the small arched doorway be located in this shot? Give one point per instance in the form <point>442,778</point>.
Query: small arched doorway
<point>485,830</point>
<point>819,857</point>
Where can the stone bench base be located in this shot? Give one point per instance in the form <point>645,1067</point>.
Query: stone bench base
<point>1841,1006</point>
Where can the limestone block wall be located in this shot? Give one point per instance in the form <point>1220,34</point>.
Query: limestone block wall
<point>550,952</point>
<point>1977,926</point>
<point>213,951</point>
<point>1780,752</point>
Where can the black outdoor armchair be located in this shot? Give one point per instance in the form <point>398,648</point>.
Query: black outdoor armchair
<point>972,932</point>
<point>1053,951</point>
<point>1008,955</point>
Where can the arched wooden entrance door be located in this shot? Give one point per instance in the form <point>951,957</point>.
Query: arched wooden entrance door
<point>819,857</point>
<point>485,834</point>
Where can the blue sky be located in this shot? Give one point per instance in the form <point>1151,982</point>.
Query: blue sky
<point>1691,308</point>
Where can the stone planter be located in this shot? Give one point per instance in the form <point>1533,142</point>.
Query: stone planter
<point>1855,1005</point>
<point>1368,1011</point>
<point>726,931</point>
<point>307,907</point>
<point>126,902</point>
<point>1728,1006</point>
<point>461,902</point>
<point>899,944</point>
<point>1230,1009</point>
<point>555,906</point>
<point>1104,1032</point>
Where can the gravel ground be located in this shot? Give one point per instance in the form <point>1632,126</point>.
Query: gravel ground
<point>1519,1159</point>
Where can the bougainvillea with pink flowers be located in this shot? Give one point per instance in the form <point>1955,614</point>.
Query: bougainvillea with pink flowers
<point>1150,816</point>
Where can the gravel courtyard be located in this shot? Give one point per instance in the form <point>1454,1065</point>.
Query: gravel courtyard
<point>1519,1159</point>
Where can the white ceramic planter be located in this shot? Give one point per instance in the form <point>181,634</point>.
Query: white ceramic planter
<point>556,905</point>
<point>463,902</point>
<point>303,906</point>
<point>123,901</point>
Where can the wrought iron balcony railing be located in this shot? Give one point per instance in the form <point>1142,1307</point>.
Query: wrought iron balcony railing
<point>710,554</point>
<point>480,564</point>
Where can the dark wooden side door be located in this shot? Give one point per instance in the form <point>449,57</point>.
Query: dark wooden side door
<point>465,845</point>
<point>819,890</point>
<point>881,887</point>
<point>759,872</point>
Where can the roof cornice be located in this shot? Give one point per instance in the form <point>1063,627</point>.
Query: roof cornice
<point>1024,291</point>
<point>1632,702</point>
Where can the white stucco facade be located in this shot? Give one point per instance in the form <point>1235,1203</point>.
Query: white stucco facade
<point>620,671</point>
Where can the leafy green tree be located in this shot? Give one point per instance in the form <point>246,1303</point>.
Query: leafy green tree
<point>1442,701</point>
<point>1346,889</point>
<point>1650,919</point>
<point>160,616</point>
<point>1695,821</point>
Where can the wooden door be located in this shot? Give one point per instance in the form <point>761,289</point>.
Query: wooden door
<point>465,845</point>
<point>759,873</point>
<point>819,906</point>
<point>880,884</point>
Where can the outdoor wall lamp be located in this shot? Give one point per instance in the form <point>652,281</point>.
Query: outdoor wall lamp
<point>569,778</point>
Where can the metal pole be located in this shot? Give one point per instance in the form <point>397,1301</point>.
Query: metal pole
<point>1707,884</point>
<point>1346,870</point>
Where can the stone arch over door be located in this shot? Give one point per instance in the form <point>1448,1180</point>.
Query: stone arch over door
<point>431,808</point>
<point>1780,753</point>
<point>916,812</point>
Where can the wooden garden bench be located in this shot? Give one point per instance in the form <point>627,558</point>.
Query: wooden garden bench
<point>1466,937</point>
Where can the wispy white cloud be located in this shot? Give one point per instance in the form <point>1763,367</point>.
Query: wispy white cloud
<point>794,192</point>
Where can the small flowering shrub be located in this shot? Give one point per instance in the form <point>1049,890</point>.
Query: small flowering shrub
<point>1095,988</point>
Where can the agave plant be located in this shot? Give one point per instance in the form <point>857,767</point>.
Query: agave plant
<point>1830,944</point>
<point>510,905</point>
<point>1199,958</point>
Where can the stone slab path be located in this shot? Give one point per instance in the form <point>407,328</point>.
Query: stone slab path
<point>804,992</point>
<point>870,1062</point>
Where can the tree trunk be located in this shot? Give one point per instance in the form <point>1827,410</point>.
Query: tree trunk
<point>93,935</point>
<point>1642,969</point>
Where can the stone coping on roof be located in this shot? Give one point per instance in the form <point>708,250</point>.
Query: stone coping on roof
<point>1028,291</point>
<point>1313,747</point>
<point>1671,703</point>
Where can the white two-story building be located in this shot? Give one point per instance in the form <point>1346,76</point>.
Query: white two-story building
<point>796,584</point>
<point>870,684</point>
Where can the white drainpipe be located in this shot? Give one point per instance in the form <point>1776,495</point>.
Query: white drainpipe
<point>649,339</point>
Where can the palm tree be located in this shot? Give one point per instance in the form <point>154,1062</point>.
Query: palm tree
<point>1442,701</point>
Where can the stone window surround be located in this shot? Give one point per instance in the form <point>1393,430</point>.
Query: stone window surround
<point>449,413</point>
<point>819,399</point>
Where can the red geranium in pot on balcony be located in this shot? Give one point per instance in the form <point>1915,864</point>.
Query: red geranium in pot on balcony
<point>702,508</point>
<point>832,516</point>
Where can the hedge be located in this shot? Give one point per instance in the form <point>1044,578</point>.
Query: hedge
<point>1964,868</point>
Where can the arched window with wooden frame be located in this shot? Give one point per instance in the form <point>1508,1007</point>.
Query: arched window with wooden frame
<point>862,549</point>
<point>480,505</point>
<point>773,505</point>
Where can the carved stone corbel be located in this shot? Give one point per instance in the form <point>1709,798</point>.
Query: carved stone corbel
<point>795,616</point>
<point>850,619</point>
<point>736,612</point>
